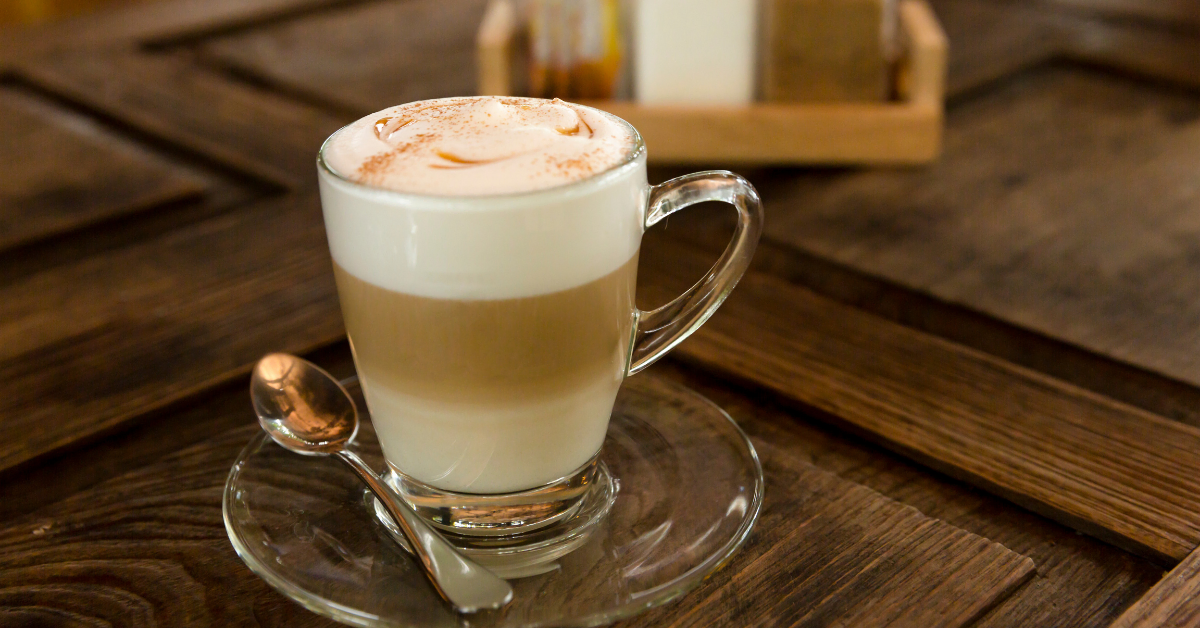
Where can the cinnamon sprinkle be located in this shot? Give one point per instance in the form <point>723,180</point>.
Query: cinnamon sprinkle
<point>437,137</point>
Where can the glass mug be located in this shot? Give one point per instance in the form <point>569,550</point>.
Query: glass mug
<point>491,333</point>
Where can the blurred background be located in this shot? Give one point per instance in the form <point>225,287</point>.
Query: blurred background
<point>40,11</point>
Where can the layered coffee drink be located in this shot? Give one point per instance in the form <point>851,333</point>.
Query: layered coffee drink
<point>485,251</point>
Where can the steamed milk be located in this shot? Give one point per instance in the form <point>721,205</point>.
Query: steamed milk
<point>489,305</point>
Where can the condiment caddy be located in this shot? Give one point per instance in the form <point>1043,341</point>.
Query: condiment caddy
<point>906,129</point>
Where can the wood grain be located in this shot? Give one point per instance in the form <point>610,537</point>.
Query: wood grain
<point>1030,217</point>
<point>154,435</point>
<point>1114,471</point>
<point>145,549</point>
<point>1080,581</point>
<point>823,51</point>
<point>851,554</point>
<point>256,132</point>
<point>151,22</point>
<point>364,58</point>
<point>1158,54</point>
<point>991,40</point>
<point>1180,14</point>
<point>91,345</point>
<point>1175,601</point>
<point>846,556</point>
<point>158,328</point>
<point>708,227</point>
<point>63,172</point>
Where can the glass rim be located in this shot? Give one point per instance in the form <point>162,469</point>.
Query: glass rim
<point>631,157</point>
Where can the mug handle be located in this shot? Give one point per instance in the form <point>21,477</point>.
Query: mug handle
<point>659,330</point>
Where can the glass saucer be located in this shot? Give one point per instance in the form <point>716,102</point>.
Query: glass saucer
<point>686,487</point>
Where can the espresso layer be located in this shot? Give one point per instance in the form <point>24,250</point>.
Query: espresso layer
<point>491,351</point>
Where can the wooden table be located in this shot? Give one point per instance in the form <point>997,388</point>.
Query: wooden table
<point>975,387</point>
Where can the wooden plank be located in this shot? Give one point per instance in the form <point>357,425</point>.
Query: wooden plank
<point>149,22</point>
<point>364,58</point>
<point>1122,474</point>
<point>1062,206</point>
<point>840,554</point>
<point>1173,602</point>
<point>266,135</point>
<point>849,553</point>
<point>1182,14</point>
<point>157,434</point>
<point>146,548</point>
<point>994,40</point>
<point>87,347</point>
<point>1155,53</point>
<point>63,172</point>
<point>990,40</point>
<point>1080,581</point>
<point>708,227</point>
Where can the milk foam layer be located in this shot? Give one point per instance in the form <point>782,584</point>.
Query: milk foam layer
<point>478,146</point>
<point>487,247</point>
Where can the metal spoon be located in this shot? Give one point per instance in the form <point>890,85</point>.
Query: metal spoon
<point>307,411</point>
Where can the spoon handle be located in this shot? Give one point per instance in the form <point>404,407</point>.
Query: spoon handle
<point>458,579</point>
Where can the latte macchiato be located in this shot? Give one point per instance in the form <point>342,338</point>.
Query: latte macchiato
<point>485,251</point>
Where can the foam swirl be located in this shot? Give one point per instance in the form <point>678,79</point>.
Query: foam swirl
<point>478,145</point>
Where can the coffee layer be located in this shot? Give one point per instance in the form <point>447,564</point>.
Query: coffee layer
<point>491,395</point>
<point>478,146</point>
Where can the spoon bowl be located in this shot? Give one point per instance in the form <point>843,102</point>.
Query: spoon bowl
<point>297,405</point>
<point>305,410</point>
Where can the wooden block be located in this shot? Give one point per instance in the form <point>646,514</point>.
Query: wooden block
<point>824,51</point>
<point>1119,473</point>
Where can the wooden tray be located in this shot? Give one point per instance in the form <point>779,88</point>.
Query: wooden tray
<point>905,131</point>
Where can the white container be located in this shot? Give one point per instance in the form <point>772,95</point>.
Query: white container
<point>694,51</point>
